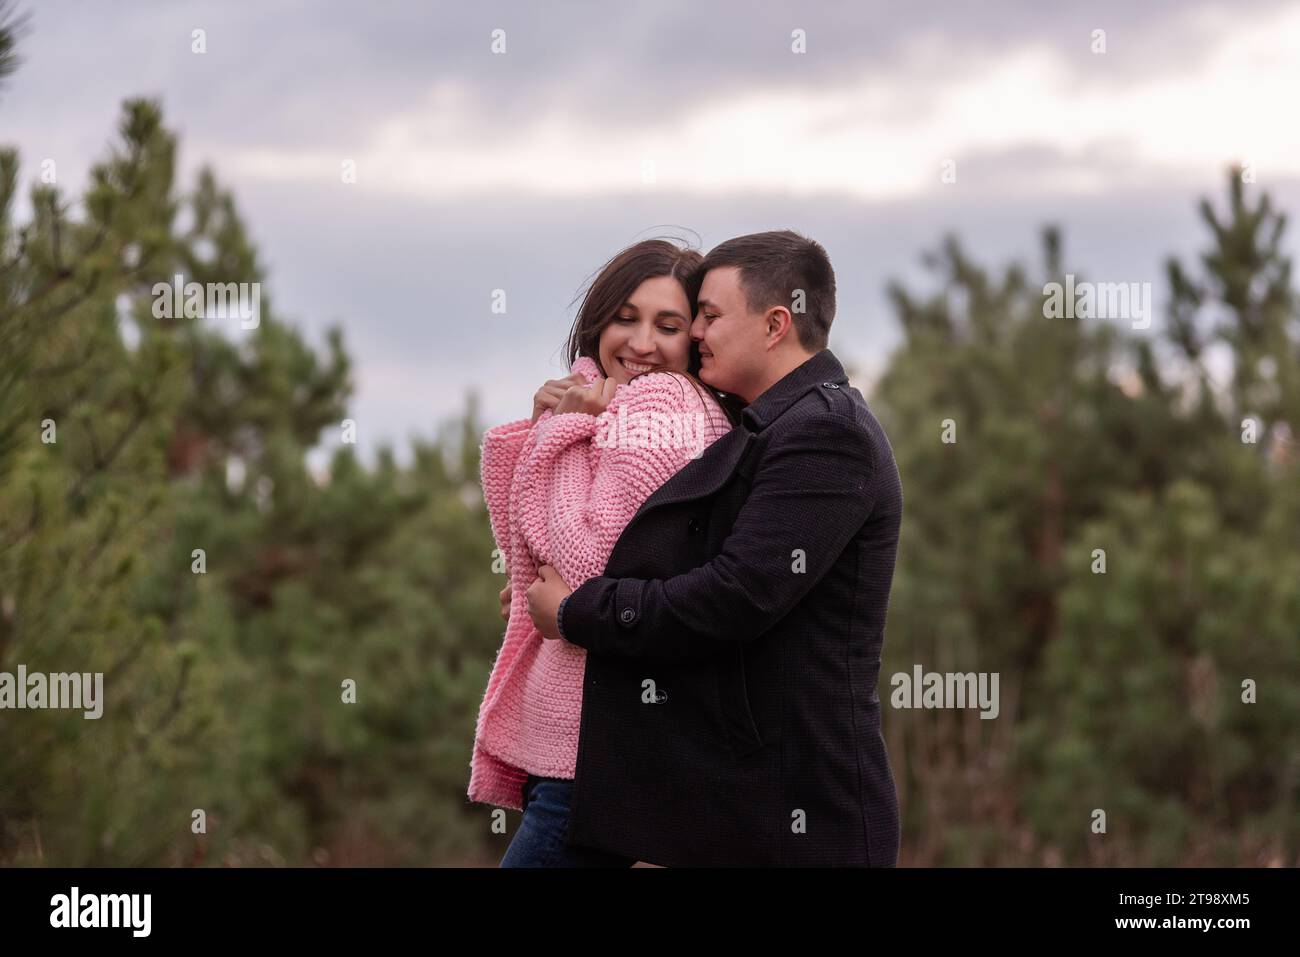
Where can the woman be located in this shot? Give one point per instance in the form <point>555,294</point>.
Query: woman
<point>560,487</point>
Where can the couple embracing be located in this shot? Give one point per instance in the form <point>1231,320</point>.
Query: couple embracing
<point>694,626</point>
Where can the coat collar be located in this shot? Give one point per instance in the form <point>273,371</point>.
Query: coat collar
<point>822,369</point>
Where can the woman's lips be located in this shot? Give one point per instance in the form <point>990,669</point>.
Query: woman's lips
<point>636,368</point>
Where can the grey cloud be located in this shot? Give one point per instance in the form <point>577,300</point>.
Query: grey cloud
<point>314,74</point>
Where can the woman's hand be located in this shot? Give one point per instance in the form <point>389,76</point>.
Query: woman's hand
<point>591,399</point>
<point>550,394</point>
<point>505,602</point>
<point>544,597</point>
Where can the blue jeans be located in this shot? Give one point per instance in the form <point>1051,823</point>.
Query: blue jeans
<point>539,842</point>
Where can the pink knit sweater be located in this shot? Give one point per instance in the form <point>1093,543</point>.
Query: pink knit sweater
<point>560,493</point>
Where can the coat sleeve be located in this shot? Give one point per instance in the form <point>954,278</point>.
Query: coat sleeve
<point>812,490</point>
<point>583,480</point>
<point>497,460</point>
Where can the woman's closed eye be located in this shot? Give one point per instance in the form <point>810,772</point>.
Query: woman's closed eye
<point>669,328</point>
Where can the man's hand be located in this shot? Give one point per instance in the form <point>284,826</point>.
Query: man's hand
<point>544,597</point>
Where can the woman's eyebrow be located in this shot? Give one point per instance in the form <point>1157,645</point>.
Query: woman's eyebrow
<point>671,314</point>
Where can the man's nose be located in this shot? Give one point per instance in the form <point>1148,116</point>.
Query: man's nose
<point>697,328</point>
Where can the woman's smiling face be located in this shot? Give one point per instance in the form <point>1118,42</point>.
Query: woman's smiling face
<point>651,330</point>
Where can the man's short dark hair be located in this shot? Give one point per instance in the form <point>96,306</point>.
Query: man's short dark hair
<point>775,267</point>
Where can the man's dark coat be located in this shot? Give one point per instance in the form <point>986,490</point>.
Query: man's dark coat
<point>730,714</point>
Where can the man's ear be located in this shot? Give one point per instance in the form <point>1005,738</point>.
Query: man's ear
<point>778,324</point>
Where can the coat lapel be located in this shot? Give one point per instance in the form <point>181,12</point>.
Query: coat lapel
<point>705,475</point>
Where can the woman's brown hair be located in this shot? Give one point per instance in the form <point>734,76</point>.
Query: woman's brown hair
<point>615,283</point>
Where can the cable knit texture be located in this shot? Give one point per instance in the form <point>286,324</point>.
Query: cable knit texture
<point>560,493</point>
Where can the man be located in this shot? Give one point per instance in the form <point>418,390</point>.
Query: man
<point>730,714</point>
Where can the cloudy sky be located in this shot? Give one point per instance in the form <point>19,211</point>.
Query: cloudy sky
<point>598,125</point>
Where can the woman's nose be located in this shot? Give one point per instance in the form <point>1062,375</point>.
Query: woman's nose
<point>643,341</point>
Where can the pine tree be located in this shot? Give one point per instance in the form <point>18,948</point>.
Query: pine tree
<point>1080,446</point>
<point>173,536</point>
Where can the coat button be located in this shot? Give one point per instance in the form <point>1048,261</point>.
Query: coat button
<point>693,526</point>
<point>627,615</point>
<point>830,385</point>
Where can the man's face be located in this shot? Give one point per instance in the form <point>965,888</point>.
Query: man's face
<point>733,349</point>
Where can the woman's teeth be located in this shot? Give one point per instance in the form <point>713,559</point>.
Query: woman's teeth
<point>635,367</point>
